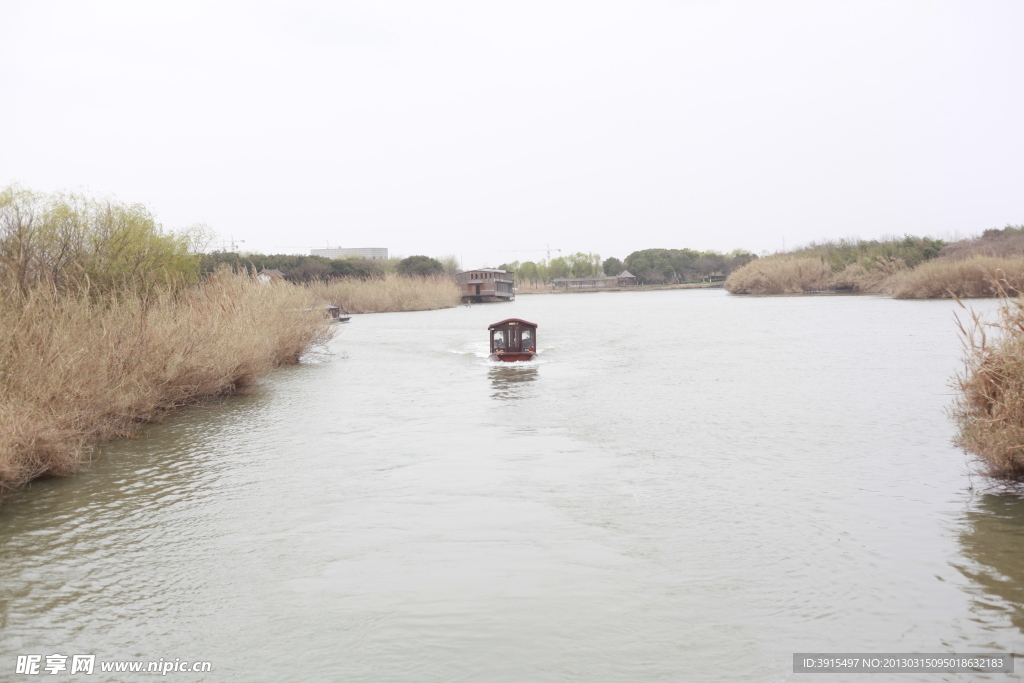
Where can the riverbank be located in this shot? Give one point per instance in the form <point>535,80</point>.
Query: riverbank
<point>76,370</point>
<point>907,268</point>
<point>388,294</point>
<point>971,277</point>
<point>636,288</point>
<point>989,408</point>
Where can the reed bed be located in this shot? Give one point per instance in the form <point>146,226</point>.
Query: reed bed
<point>389,293</point>
<point>76,368</point>
<point>989,409</point>
<point>972,277</point>
<point>779,275</point>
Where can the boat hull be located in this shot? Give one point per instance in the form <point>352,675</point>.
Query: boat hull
<point>513,356</point>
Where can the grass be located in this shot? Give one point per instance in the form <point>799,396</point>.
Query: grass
<point>780,275</point>
<point>77,369</point>
<point>389,293</point>
<point>989,409</point>
<point>971,277</point>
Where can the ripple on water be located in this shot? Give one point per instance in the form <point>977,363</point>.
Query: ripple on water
<point>699,479</point>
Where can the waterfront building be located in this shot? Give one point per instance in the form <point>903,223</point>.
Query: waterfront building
<point>486,284</point>
<point>623,279</point>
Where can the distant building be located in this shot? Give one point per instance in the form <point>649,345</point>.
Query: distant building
<point>486,284</point>
<point>368,253</point>
<point>623,279</point>
<point>267,276</point>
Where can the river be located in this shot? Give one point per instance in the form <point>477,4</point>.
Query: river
<point>686,485</point>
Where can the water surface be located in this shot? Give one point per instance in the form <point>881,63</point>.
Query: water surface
<point>685,486</point>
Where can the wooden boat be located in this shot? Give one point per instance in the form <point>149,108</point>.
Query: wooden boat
<point>335,314</point>
<point>513,339</point>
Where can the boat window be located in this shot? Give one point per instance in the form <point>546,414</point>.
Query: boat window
<point>526,335</point>
<point>499,338</point>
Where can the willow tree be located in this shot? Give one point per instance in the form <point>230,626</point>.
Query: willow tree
<point>72,240</point>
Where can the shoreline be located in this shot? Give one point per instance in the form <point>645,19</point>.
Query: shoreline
<point>637,288</point>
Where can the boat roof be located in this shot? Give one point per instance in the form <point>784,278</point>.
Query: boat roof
<point>511,320</point>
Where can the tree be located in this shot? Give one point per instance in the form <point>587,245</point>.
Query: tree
<point>357,268</point>
<point>583,265</point>
<point>309,271</point>
<point>450,264</point>
<point>71,240</point>
<point>421,266</point>
<point>611,266</point>
<point>528,271</point>
<point>709,264</point>
<point>559,267</point>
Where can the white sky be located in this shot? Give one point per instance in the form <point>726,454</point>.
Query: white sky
<point>473,127</point>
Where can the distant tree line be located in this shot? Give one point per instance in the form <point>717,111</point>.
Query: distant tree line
<point>654,266</point>
<point>580,264</point>
<point>302,268</point>
<point>649,265</point>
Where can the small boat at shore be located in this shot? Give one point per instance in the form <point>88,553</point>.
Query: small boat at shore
<point>335,314</point>
<point>513,340</point>
<point>332,312</point>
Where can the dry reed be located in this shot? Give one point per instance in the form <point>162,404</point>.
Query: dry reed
<point>76,369</point>
<point>389,293</point>
<point>989,409</point>
<point>779,275</point>
<point>972,277</point>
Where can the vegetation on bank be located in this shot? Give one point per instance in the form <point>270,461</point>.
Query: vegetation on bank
<point>76,368</point>
<point>74,242</point>
<point>389,293</point>
<point>650,266</point>
<point>975,276</point>
<point>664,266</point>
<point>989,409</point>
<point>907,268</point>
<point>775,275</point>
<point>108,321</point>
<point>420,266</point>
<point>301,269</point>
<point>538,273</point>
<point>839,254</point>
<point>839,265</point>
<point>1007,243</point>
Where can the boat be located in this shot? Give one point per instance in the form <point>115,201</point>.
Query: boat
<point>513,339</point>
<point>335,314</point>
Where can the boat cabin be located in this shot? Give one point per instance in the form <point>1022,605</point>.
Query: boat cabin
<point>513,339</point>
<point>486,284</point>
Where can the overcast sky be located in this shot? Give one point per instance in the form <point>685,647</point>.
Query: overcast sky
<point>475,127</point>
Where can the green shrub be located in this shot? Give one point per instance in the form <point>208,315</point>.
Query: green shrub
<point>422,266</point>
